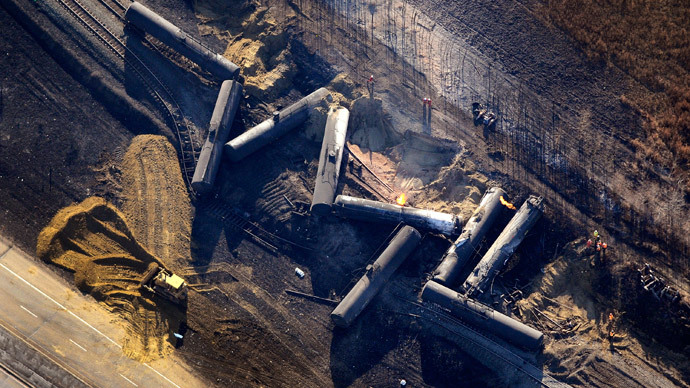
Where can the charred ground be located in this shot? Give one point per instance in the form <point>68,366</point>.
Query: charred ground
<point>261,336</point>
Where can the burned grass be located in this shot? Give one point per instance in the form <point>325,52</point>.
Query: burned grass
<point>650,41</point>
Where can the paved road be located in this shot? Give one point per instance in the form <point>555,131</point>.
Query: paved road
<point>73,331</point>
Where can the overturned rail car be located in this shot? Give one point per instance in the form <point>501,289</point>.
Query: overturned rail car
<point>374,211</point>
<point>269,130</point>
<point>329,161</point>
<point>504,246</point>
<point>402,244</point>
<point>218,131</point>
<point>482,317</point>
<point>185,44</point>
<point>472,234</point>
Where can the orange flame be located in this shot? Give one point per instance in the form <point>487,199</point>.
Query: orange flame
<point>507,204</point>
<point>401,199</point>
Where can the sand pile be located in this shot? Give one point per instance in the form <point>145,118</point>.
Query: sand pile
<point>257,42</point>
<point>155,201</point>
<point>92,240</point>
<point>457,187</point>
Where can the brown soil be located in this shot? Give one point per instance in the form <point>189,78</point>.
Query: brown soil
<point>241,328</point>
<point>155,201</point>
<point>92,240</point>
<point>566,301</point>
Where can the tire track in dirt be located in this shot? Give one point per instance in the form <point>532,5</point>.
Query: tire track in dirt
<point>92,240</point>
<point>155,200</point>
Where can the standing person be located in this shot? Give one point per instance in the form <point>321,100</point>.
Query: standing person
<point>424,114</point>
<point>428,114</point>
<point>370,86</point>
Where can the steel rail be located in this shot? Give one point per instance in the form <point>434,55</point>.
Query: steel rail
<point>115,44</point>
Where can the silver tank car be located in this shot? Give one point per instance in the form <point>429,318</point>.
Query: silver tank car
<point>329,161</point>
<point>280,124</point>
<point>482,317</point>
<point>402,244</point>
<point>374,211</point>
<point>504,246</point>
<point>218,131</point>
<point>473,232</point>
<point>185,44</point>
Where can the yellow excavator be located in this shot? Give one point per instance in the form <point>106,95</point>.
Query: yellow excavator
<point>161,282</point>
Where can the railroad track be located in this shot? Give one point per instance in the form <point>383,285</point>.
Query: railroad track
<point>439,317</point>
<point>153,84</point>
<point>16,376</point>
<point>231,217</point>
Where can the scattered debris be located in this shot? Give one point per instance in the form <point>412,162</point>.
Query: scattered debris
<point>299,273</point>
<point>312,297</point>
<point>483,116</point>
<point>656,285</point>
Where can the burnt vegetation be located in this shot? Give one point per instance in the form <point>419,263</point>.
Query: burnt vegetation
<point>650,41</point>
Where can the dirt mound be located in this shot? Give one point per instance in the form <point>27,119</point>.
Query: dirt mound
<point>314,127</point>
<point>92,240</point>
<point>258,43</point>
<point>370,127</point>
<point>457,189</point>
<point>342,84</point>
<point>155,201</point>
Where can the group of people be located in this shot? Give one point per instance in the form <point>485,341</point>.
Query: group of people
<point>598,245</point>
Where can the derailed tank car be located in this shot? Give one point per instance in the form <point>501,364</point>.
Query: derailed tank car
<point>218,131</point>
<point>185,44</point>
<point>482,317</point>
<point>472,234</point>
<point>269,130</point>
<point>374,211</point>
<point>504,246</point>
<point>404,242</point>
<point>329,161</point>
